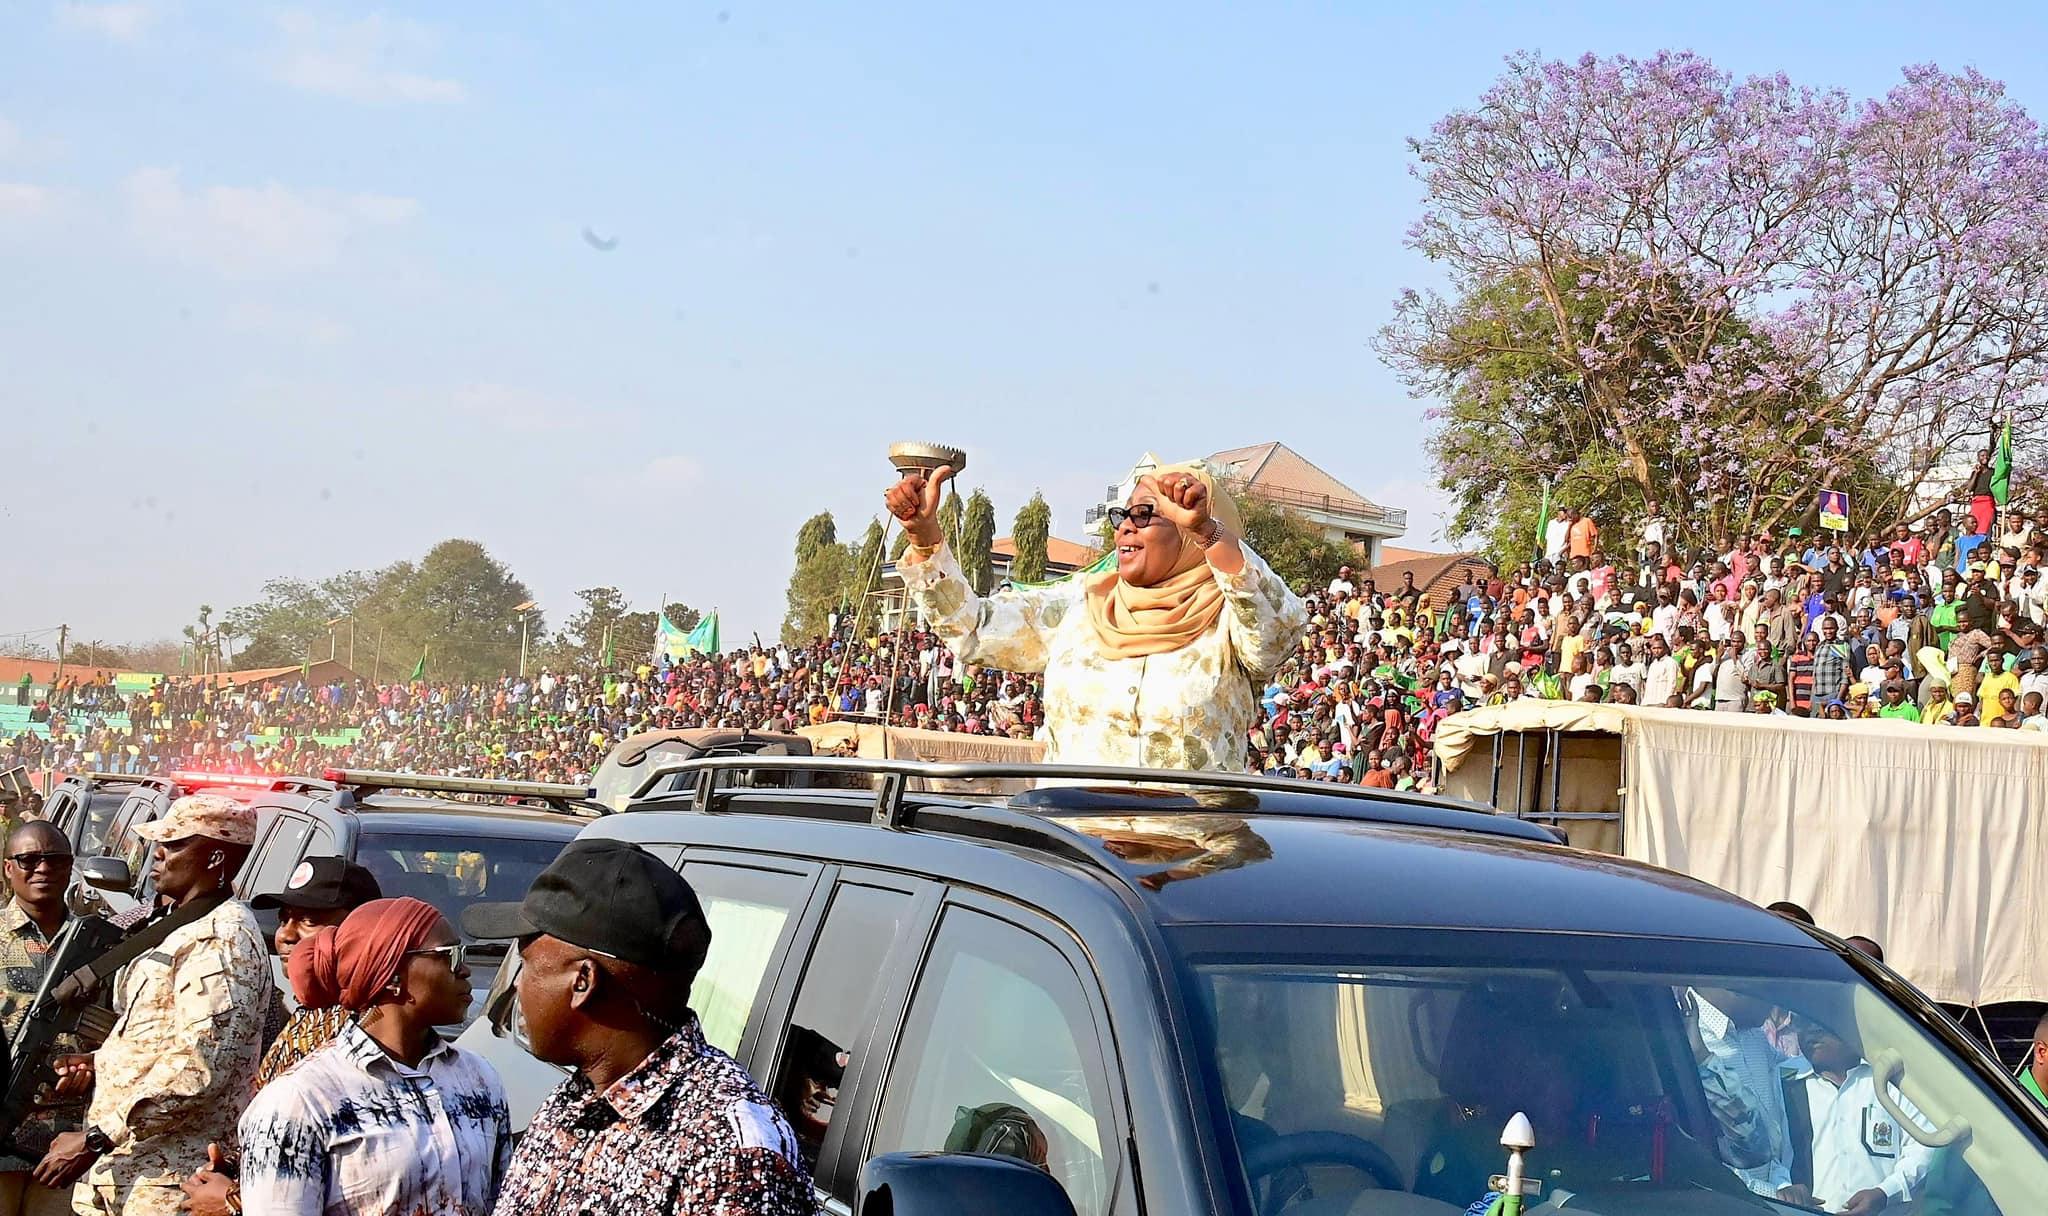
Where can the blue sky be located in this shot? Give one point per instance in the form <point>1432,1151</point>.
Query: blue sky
<point>294,289</point>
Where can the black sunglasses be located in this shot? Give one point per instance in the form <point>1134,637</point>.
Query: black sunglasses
<point>30,861</point>
<point>1143,515</point>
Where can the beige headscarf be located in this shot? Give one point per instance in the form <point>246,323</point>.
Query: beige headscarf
<point>1132,622</point>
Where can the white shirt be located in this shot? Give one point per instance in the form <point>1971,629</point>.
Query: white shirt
<point>1665,619</point>
<point>350,1130</point>
<point>1660,681</point>
<point>1556,535</point>
<point>1856,1143</point>
<point>1343,585</point>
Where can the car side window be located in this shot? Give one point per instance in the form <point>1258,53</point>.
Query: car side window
<point>999,1055</point>
<point>280,857</point>
<point>750,911</point>
<point>122,841</point>
<point>834,1007</point>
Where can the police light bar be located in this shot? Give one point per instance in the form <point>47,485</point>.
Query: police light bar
<point>254,781</point>
<point>458,785</point>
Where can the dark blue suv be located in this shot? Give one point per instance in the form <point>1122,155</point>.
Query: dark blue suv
<point>1262,997</point>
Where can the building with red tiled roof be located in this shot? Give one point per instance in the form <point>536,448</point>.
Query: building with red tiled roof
<point>1437,575</point>
<point>1280,475</point>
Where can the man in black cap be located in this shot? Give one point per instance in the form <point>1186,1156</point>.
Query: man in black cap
<point>653,1118</point>
<point>320,893</point>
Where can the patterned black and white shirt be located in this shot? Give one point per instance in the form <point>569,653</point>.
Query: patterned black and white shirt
<point>687,1131</point>
<point>349,1131</point>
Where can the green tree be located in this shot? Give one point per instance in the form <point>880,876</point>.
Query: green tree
<point>977,542</point>
<point>950,519</point>
<point>1029,534</point>
<point>581,642</point>
<point>1296,549</point>
<point>817,532</point>
<point>899,546</point>
<point>459,602</point>
<point>866,574</point>
<point>815,591</point>
<point>1744,454</point>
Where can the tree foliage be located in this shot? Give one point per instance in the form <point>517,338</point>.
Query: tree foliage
<point>817,532</point>
<point>455,605</point>
<point>866,575</point>
<point>1029,534</point>
<point>1518,413</point>
<point>1724,294</point>
<point>951,516</point>
<point>977,542</point>
<point>1293,546</point>
<point>817,589</point>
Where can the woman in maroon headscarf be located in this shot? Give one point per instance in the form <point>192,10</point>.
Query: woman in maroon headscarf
<point>427,1131</point>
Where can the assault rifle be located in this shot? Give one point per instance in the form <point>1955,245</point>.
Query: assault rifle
<point>73,997</point>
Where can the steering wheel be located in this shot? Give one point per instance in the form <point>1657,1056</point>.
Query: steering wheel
<point>1319,1148</point>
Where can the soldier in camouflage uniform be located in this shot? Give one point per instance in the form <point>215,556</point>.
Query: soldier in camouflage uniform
<point>178,1068</point>
<point>38,867</point>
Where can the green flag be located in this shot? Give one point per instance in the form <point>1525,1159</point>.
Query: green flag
<point>704,638</point>
<point>419,669</point>
<point>2001,467</point>
<point>669,643</point>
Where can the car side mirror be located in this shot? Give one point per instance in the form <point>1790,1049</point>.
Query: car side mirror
<point>946,1184</point>
<point>105,873</point>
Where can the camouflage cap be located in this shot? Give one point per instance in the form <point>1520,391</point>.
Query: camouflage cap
<point>210,815</point>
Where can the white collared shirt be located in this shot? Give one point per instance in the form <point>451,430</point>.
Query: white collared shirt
<point>1857,1144</point>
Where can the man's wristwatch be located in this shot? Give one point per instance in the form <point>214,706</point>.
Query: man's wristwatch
<point>98,1142</point>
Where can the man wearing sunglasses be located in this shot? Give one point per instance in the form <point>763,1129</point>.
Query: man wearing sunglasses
<point>1849,1154</point>
<point>38,869</point>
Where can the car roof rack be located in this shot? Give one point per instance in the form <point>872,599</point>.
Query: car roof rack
<point>566,799</point>
<point>95,776</point>
<point>892,808</point>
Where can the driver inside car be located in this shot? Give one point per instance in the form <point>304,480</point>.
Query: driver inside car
<point>1849,1154</point>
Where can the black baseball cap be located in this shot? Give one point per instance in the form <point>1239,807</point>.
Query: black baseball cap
<point>323,884</point>
<point>608,896</point>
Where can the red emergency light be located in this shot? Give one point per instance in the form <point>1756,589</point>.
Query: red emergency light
<point>252,780</point>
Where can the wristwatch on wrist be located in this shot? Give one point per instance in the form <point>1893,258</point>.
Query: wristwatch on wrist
<point>99,1142</point>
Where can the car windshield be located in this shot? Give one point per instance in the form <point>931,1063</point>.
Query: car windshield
<point>1776,1083</point>
<point>616,783</point>
<point>453,872</point>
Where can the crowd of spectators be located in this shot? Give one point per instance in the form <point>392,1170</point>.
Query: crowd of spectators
<point>1937,624</point>
<point>551,726</point>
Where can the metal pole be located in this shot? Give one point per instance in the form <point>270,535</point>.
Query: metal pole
<point>522,645</point>
<point>330,643</point>
<point>351,640</point>
<point>63,632</point>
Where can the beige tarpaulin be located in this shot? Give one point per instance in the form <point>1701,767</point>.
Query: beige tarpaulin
<point>1928,839</point>
<point>874,742</point>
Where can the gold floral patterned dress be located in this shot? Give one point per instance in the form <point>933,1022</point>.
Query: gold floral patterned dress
<point>1187,709</point>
